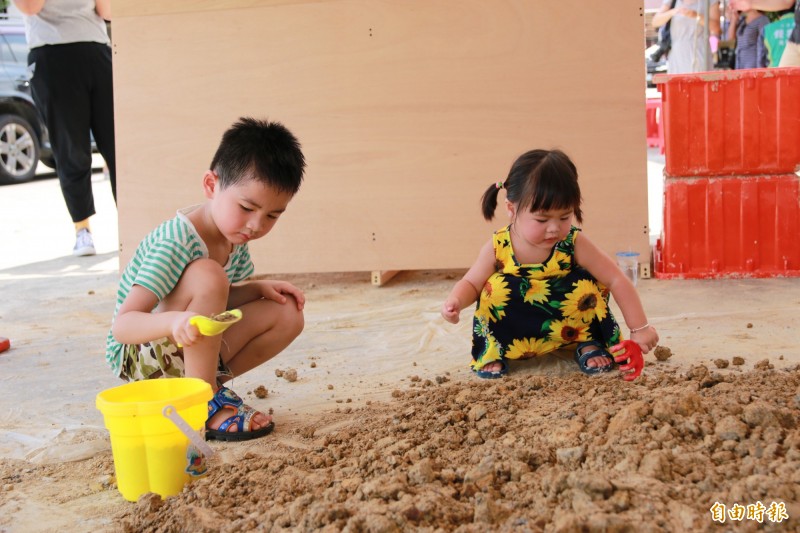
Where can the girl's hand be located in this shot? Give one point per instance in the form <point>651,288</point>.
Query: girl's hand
<point>275,290</point>
<point>647,338</point>
<point>451,310</point>
<point>183,332</point>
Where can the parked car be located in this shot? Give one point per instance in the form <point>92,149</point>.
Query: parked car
<point>23,135</point>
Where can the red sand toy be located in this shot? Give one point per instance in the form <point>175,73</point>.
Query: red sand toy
<point>631,356</point>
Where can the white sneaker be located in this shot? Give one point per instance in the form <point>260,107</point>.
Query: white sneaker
<point>84,245</point>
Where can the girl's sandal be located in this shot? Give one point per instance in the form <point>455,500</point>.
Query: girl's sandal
<point>488,374</point>
<point>242,418</point>
<point>583,358</point>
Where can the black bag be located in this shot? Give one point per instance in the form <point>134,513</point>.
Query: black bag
<point>664,39</point>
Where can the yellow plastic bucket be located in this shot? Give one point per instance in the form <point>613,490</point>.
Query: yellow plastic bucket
<point>151,454</point>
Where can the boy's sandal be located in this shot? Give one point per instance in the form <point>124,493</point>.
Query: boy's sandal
<point>599,351</point>
<point>487,374</point>
<point>242,418</point>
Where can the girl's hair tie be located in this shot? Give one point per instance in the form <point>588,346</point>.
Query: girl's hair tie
<point>498,185</point>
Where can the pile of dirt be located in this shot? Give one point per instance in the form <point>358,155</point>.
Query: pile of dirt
<point>525,453</point>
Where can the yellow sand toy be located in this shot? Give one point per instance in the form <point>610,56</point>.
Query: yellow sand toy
<point>215,325</point>
<point>210,326</point>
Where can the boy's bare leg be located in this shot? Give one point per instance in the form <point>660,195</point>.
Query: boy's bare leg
<point>266,329</point>
<point>203,288</point>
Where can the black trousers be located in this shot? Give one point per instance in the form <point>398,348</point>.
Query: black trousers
<point>73,89</point>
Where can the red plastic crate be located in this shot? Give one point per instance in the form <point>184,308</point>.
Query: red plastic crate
<point>655,129</point>
<point>744,226</point>
<point>731,122</point>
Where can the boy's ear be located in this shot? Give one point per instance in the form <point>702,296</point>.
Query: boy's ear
<point>210,183</point>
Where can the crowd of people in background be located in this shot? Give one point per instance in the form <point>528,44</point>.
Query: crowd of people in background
<point>759,36</point>
<point>739,35</point>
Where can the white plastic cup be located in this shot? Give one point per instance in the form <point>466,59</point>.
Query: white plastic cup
<point>628,262</point>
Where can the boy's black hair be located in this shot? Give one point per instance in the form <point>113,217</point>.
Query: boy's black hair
<point>261,150</point>
<point>540,180</point>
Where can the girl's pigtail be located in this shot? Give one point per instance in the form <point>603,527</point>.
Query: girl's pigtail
<point>489,200</point>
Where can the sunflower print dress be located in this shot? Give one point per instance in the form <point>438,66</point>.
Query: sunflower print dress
<point>526,311</point>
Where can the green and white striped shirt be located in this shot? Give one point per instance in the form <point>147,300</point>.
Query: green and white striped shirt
<point>159,262</point>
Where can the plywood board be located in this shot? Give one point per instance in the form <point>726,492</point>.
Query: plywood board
<point>406,110</point>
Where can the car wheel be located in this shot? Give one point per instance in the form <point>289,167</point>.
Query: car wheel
<point>19,150</point>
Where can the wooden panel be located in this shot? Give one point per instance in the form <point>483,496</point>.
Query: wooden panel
<point>406,110</point>
<point>127,8</point>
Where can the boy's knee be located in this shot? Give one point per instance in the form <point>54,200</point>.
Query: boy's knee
<point>293,319</point>
<point>205,280</point>
<point>207,272</point>
<point>204,267</point>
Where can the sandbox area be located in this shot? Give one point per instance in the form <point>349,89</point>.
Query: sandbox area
<point>380,426</point>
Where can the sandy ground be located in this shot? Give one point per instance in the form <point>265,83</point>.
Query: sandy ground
<point>385,429</point>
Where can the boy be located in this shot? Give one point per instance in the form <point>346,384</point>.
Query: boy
<point>195,264</point>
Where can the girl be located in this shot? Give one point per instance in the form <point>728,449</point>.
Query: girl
<point>540,284</point>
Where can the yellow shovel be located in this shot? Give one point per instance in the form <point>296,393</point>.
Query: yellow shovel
<point>215,325</point>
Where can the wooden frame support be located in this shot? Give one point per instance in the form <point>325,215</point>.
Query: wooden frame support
<point>380,277</point>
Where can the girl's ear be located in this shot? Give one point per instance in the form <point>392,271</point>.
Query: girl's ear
<point>510,210</point>
<point>210,183</point>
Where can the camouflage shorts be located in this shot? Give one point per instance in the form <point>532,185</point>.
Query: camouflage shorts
<point>158,358</point>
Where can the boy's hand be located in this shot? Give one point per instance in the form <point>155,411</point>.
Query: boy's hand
<point>451,310</point>
<point>275,290</point>
<point>185,333</point>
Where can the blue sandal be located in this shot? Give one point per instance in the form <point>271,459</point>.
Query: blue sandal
<point>583,358</point>
<point>242,417</point>
<point>486,374</point>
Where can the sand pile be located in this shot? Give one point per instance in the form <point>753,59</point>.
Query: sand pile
<point>525,453</point>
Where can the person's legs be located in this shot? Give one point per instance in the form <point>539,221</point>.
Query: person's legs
<point>102,104</point>
<point>203,288</point>
<point>60,89</point>
<point>266,329</point>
